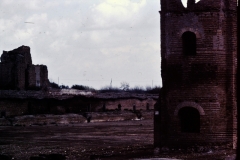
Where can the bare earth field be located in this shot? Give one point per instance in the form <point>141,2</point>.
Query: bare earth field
<point>99,140</point>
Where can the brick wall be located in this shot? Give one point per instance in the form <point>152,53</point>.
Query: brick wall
<point>6,79</point>
<point>31,78</point>
<point>44,76</point>
<point>19,75</point>
<point>26,106</point>
<point>18,72</point>
<point>37,76</point>
<point>127,104</point>
<point>205,81</point>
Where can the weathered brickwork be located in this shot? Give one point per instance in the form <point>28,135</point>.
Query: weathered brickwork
<point>17,103</point>
<point>201,81</point>
<point>18,72</point>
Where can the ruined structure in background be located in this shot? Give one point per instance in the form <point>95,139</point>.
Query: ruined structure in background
<point>199,60</point>
<point>66,101</point>
<point>22,92</point>
<point>18,72</point>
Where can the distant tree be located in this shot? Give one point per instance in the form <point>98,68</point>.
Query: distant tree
<point>82,87</point>
<point>106,88</point>
<point>54,85</point>
<point>124,86</point>
<point>109,89</point>
<point>79,87</point>
<point>148,88</point>
<point>64,87</point>
<point>154,90</point>
<point>137,89</point>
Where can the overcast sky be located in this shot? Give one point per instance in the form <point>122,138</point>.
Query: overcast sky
<point>87,42</point>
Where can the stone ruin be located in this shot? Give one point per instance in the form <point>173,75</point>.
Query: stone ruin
<point>20,82</point>
<point>198,104</point>
<point>18,73</point>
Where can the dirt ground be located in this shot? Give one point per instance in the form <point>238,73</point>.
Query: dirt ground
<point>100,140</point>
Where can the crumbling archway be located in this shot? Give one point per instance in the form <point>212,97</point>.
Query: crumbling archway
<point>189,114</point>
<point>187,3</point>
<point>189,103</point>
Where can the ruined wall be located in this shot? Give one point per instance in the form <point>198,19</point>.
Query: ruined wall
<point>18,55</point>
<point>31,76</point>
<point>128,104</point>
<point>37,76</point>
<point>16,103</point>
<point>17,107</point>
<point>6,78</point>
<point>18,72</point>
<point>44,82</point>
<point>205,81</point>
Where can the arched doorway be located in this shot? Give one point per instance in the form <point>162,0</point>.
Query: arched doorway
<point>189,43</point>
<point>189,120</point>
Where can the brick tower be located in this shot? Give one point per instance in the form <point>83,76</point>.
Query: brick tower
<point>199,49</point>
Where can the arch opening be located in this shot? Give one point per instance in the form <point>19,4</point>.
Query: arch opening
<point>189,43</point>
<point>184,2</point>
<point>189,120</point>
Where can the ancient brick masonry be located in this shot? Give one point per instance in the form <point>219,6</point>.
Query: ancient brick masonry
<point>18,72</point>
<point>198,50</point>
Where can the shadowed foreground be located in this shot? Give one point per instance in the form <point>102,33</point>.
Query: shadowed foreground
<point>101,140</point>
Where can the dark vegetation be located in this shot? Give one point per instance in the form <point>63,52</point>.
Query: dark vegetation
<point>136,89</point>
<point>81,87</point>
<point>124,88</point>
<point>54,85</point>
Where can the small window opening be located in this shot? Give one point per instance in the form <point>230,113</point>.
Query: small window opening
<point>189,43</point>
<point>189,120</point>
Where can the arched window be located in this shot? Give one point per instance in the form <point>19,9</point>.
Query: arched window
<point>189,120</point>
<point>189,43</point>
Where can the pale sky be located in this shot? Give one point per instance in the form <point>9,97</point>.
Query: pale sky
<point>87,42</point>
